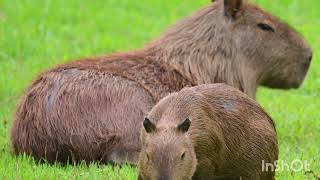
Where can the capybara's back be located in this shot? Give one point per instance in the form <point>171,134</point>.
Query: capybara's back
<point>210,131</point>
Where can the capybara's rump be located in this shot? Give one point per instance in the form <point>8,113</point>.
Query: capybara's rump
<point>75,115</point>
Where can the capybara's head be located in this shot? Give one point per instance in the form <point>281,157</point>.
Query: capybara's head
<point>167,152</point>
<point>266,44</point>
<point>236,42</point>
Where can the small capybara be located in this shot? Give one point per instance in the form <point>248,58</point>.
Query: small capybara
<point>211,131</point>
<point>92,109</point>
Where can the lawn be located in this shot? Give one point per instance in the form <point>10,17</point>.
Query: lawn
<point>38,34</point>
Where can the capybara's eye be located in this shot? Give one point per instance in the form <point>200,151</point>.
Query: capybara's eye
<point>183,156</point>
<point>266,27</point>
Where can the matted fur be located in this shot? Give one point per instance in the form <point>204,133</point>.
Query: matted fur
<point>91,109</point>
<point>230,137</point>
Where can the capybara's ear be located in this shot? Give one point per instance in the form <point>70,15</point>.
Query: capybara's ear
<point>148,125</point>
<point>232,8</point>
<point>184,126</point>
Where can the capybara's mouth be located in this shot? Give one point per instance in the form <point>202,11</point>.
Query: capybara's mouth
<point>296,85</point>
<point>306,67</point>
<point>282,84</point>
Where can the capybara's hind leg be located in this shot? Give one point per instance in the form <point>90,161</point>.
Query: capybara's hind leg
<point>28,134</point>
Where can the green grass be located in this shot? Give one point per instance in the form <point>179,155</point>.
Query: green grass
<point>37,34</point>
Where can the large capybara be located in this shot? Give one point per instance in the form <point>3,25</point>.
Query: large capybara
<point>211,131</point>
<point>92,109</point>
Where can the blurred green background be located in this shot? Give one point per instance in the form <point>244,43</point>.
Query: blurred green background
<point>38,34</point>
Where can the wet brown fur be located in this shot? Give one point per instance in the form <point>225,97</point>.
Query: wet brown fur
<point>230,135</point>
<point>91,109</point>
